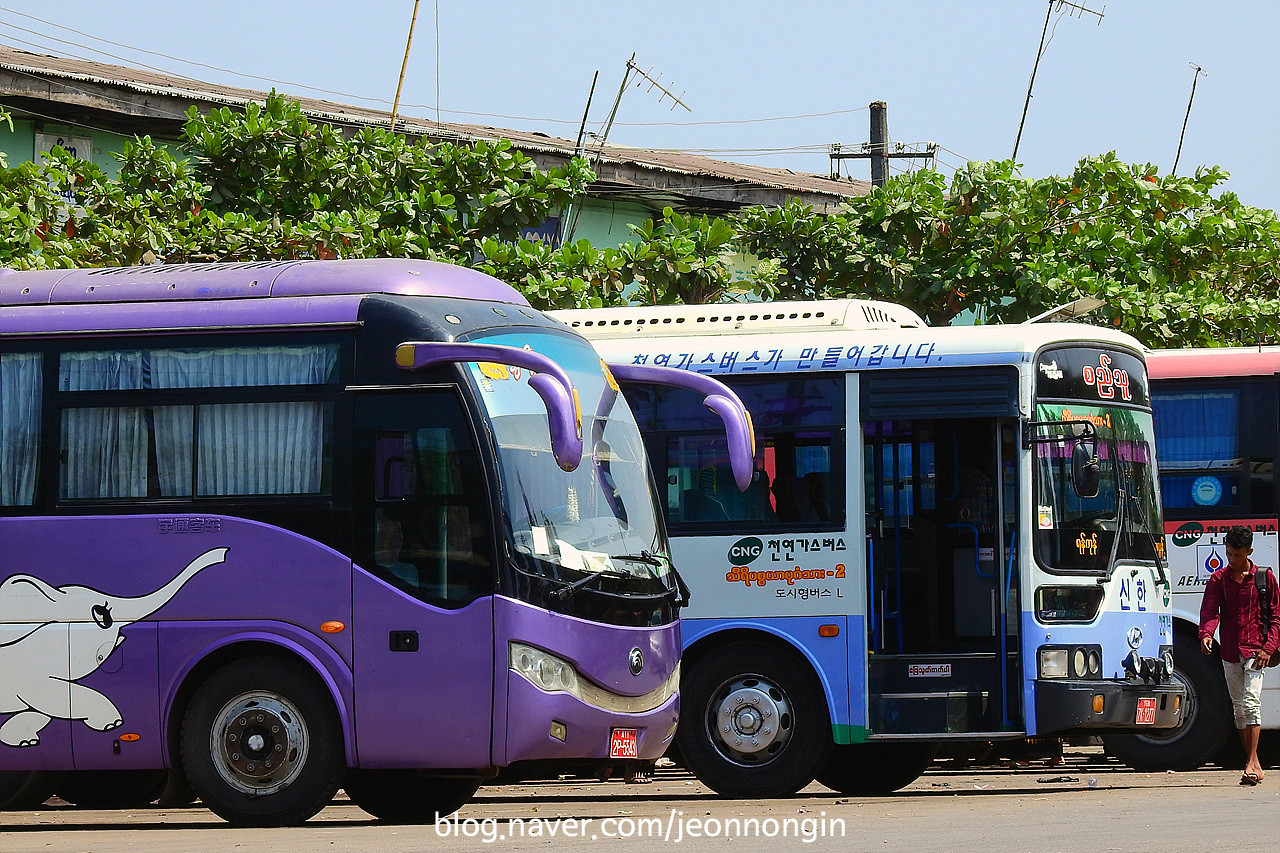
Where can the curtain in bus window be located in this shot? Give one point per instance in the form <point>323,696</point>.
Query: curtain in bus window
<point>104,453</point>
<point>231,367</point>
<point>19,427</point>
<point>104,448</point>
<point>260,449</point>
<point>1197,430</point>
<point>273,448</point>
<point>107,370</point>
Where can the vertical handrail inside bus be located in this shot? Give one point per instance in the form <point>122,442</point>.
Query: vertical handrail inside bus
<point>977,563</point>
<point>718,397</point>
<point>1004,628</point>
<point>549,380</point>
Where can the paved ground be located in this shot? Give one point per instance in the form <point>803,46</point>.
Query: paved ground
<point>1087,804</point>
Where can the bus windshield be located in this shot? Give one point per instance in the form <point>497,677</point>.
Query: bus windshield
<point>1078,532</point>
<point>585,526</point>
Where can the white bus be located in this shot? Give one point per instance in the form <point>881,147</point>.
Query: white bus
<point>949,534</point>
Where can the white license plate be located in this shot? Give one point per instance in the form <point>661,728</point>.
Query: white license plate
<point>623,743</point>
<point>1146,711</point>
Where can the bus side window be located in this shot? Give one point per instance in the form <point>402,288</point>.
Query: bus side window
<point>429,533</point>
<point>20,377</point>
<point>1201,457</point>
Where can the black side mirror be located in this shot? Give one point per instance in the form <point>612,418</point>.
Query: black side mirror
<point>1086,472</point>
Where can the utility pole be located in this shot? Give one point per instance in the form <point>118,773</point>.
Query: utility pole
<point>877,150</point>
<point>395,107</point>
<point>1199,71</point>
<point>1072,8</point>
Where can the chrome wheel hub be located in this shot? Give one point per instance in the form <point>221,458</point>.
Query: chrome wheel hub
<point>751,720</point>
<point>259,743</point>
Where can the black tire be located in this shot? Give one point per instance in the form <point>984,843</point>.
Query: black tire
<point>408,796</point>
<point>261,743</point>
<point>753,721</point>
<point>26,789</point>
<point>177,792</point>
<point>112,789</point>
<point>1206,718</point>
<point>876,769</point>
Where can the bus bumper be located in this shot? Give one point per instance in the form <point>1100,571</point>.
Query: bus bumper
<point>1105,707</point>
<point>556,726</point>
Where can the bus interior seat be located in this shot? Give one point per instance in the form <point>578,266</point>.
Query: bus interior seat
<point>793,501</point>
<point>819,488</point>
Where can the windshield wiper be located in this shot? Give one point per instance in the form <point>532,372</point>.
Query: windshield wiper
<point>680,590</point>
<point>1155,548</point>
<point>568,590</point>
<point>642,557</point>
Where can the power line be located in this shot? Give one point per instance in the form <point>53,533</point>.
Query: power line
<point>354,97</point>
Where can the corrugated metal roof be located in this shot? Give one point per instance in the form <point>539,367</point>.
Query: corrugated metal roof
<point>182,88</point>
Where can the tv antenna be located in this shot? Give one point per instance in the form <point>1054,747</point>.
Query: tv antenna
<point>1073,9</point>
<point>1195,79</point>
<point>654,83</point>
<point>664,92</point>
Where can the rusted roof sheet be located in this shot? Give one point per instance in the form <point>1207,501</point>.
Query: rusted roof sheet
<point>169,86</point>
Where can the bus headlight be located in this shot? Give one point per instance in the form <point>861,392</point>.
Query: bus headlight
<point>553,674</point>
<point>1095,663</point>
<point>1079,663</point>
<point>1053,663</point>
<point>545,670</point>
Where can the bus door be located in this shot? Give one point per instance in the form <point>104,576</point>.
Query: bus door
<point>941,528</point>
<point>423,606</point>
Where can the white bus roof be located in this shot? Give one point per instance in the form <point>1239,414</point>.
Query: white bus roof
<point>822,335</point>
<point>742,318</point>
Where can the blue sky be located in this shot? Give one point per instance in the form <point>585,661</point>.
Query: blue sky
<point>772,83</point>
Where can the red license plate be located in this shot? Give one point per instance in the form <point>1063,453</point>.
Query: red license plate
<point>1146,711</point>
<point>622,743</point>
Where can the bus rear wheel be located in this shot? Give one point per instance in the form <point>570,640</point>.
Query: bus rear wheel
<point>408,796</point>
<point>1206,718</point>
<point>876,769</point>
<point>753,721</point>
<point>261,743</point>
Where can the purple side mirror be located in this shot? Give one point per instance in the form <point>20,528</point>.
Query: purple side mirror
<point>549,380</point>
<point>720,399</point>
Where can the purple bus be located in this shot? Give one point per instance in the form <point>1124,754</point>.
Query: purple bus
<point>375,525</point>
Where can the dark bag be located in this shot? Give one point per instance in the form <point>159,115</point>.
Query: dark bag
<point>1262,580</point>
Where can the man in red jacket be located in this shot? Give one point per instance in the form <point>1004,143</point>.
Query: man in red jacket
<point>1232,607</point>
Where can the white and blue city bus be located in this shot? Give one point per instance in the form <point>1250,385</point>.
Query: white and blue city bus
<point>950,535</point>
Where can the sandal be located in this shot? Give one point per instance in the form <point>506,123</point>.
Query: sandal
<point>1250,779</point>
<point>638,777</point>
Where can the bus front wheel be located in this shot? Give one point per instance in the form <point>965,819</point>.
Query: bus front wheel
<point>408,796</point>
<point>753,721</point>
<point>1206,718</point>
<point>261,743</point>
<point>876,769</point>
<point>26,789</point>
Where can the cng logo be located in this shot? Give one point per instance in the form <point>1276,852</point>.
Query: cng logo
<point>744,551</point>
<point>1188,534</point>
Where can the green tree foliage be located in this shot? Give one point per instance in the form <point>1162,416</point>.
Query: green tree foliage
<point>267,183</point>
<point>1175,264</point>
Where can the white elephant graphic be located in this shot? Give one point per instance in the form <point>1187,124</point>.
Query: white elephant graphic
<point>33,684</point>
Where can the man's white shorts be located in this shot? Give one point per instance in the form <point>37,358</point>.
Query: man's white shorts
<point>1245,688</point>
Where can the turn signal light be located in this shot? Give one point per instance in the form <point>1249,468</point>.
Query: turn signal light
<point>1097,704</point>
<point>333,627</point>
<point>828,630</point>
